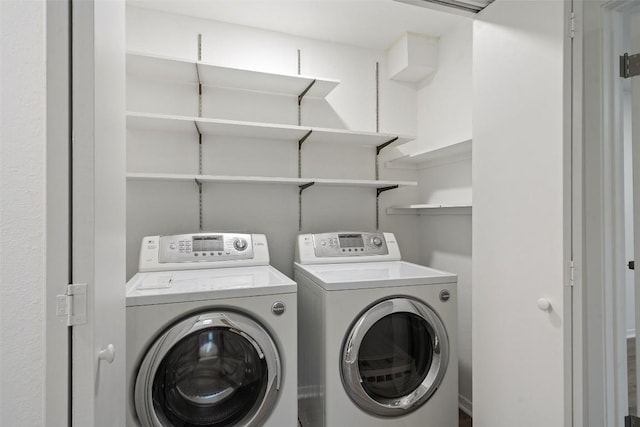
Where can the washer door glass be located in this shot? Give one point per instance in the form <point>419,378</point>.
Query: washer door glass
<point>214,369</point>
<point>213,377</point>
<point>395,357</point>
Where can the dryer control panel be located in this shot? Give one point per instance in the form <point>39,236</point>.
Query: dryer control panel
<point>202,250</point>
<point>346,247</point>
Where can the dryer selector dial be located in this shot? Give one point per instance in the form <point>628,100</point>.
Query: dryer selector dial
<point>240,244</point>
<point>377,241</point>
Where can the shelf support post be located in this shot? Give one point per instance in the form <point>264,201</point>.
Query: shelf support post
<point>378,192</point>
<point>377,97</point>
<point>199,91</point>
<point>199,184</point>
<point>301,188</point>
<point>199,148</point>
<point>199,173</point>
<point>198,75</point>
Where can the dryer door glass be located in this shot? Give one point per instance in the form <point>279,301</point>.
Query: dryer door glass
<point>395,357</point>
<point>213,369</point>
<point>211,378</point>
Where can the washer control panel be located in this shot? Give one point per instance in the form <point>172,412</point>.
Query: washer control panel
<point>349,244</point>
<point>205,247</point>
<point>339,247</point>
<point>202,250</point>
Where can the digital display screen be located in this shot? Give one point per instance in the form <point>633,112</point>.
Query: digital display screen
<point>350,240</point>
<point>208,243</point>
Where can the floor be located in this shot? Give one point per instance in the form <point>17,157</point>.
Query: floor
<point>465,420</point>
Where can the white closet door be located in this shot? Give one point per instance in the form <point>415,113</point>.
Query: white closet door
<point>98,210</point>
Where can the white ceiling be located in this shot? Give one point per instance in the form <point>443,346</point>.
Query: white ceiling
<point>372,24</point>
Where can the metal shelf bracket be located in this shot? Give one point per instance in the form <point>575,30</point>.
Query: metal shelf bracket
<point>381,147</point>
<point>304,138</point>
<point>304,92</point>
<point>305,186</point>
<point>383,189</point>
<point>301,188</point>
<point>378,192</point>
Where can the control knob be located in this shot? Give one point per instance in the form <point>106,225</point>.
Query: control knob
<point>240,244</point>
<point>377,241</point>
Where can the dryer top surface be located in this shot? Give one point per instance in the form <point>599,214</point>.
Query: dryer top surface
<point>367,275</point>
<point>209,284</point>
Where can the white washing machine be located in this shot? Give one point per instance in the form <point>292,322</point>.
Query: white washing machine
<point>377,336</point>
<point>211,334</point>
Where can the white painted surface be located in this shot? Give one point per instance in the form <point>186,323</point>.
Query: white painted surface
<point>373,24</point>
<point>99,196</point>
<point>518,354</point>
<point>444,105</point>
<point>628,218</point>
<point>22,212</point>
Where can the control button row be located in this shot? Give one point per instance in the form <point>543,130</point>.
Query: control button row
<point>211,253</point>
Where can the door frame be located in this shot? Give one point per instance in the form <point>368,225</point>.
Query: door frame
<point>58,268</point>
<point>600,394</point>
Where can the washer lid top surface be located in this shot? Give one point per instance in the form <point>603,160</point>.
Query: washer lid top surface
<point>368,275</point>
<point>197,285</point>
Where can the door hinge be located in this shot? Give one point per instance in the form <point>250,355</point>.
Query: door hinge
<point>572,25</point>
<point>72,305</point>
<point>572,273</point>
<point>629,65</point>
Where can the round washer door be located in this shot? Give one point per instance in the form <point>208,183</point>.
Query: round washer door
<point>212,369</point>
<point>395,357</point>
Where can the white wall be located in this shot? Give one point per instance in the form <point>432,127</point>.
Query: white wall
<point>22,212</point>
<point>518,353</point>
<point>444,117</point>
<point>171,208</point>
<point>444,106</point>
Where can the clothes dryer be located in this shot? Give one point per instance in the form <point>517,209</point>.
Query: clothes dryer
<point>377,336</point>
<point>211,334</point>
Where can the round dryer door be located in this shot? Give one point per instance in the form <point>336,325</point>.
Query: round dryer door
<point>395,357</point>
<point>212,369</point>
